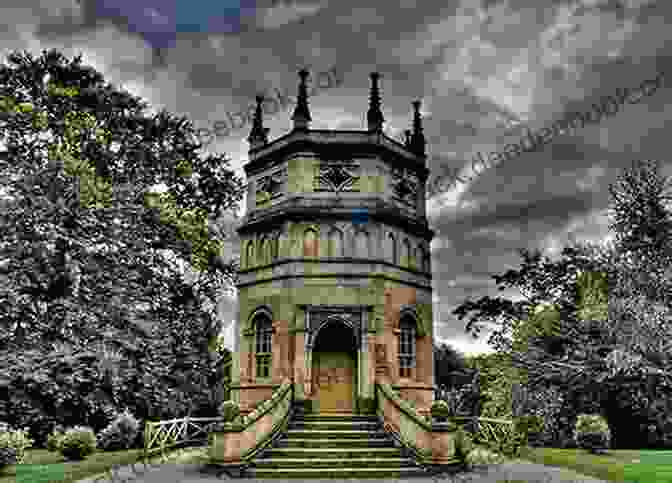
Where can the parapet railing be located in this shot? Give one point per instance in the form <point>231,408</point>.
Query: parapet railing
<point>161,435</point>
<point>234,444</point>
<point>431,443</point>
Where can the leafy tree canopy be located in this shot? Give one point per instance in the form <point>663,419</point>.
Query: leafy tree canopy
<point>89,255</point>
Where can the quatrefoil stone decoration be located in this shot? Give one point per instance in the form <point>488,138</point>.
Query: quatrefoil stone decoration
<point>337,177</point>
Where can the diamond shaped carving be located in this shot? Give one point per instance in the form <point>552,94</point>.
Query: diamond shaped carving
<point>341,176</point>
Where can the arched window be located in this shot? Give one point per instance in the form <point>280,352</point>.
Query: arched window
<point>264,335</point>
<point>335,243</point>
<point>406,346</point>
<point>362,244</point>
<point>392,248</point>
<point>407,253</point>
<point>310,246</point>
<point>250,254</point>
<point>261,255</point>
<point>275,247</point>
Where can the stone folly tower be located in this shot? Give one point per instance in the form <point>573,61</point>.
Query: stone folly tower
<point>335,279</point>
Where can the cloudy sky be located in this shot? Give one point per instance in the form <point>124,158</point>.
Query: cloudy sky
<point>485,70</point>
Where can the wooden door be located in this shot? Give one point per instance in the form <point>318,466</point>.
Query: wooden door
<point>334,382</point>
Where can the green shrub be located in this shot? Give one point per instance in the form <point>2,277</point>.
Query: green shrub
<point>54,441</point>
<point>229,410</point>
<point>440,409</point>
<point>120,434</point>
<point>78,443</point>
<point>510,445</point>
<point>16,440</point>
<point>591,432</point>
<point>483,456</point>
<point>7,457</point>
<point>463,443</point>
<point>528,426</point>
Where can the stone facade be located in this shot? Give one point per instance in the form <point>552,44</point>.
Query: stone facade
<point>335,257</point>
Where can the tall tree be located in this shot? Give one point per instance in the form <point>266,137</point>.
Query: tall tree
<point>640,309</point>
<point>88,254</point>
<point>643,226</point>
<point>589,323</point>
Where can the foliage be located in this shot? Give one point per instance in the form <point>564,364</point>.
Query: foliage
<point>7,456</point>
<point>120,434</point>
<point>88,257</point>
<point>512,446</point>
<point>54,441</point>
<point>17,440</point>
<point>78,443</point>
<point>530,426</point>
<point>592,432</point>
<point>496,377</point>
<point>440,409</point>
<point>229,410</point>
<point>643,227</point>
<point>593,326</point>
<point>219,346</point>
<point>586,360</point>
<point>69,383</point>
<point>548,404</point>
<point>463,443</point>
<point>480,455</point>
<point>449,366</point>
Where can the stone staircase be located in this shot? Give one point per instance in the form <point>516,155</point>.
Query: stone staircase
<point>334,446</point>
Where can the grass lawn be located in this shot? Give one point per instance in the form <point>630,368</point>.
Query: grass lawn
<point>632,466</point>
<point>42,466</point>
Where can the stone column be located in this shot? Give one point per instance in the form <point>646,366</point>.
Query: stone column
<point>300,365</point>
<point>365,389</point>
<point>308,386</point>
<point>278,366</point>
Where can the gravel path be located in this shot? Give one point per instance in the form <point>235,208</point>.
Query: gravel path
<point>178,472</point>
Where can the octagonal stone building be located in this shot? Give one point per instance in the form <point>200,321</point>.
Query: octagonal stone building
<point>335,280</point>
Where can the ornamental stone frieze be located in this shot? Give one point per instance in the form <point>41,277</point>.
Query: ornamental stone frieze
<point>337,176</point>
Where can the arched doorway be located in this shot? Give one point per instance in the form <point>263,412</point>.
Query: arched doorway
<point>334,369</point>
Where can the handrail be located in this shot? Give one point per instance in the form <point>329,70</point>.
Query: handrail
<point>493,431</point>
<point>278,429</point>
<point>416,432</point>
<point>420,435</point>
<point>235,443</point>
<point>405,407</point>
<point>488,431</point>
<point>155,429</point>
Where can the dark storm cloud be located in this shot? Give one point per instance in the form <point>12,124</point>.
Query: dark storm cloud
<point>484,73</point>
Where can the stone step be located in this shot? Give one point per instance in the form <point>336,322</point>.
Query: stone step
<point>336,417</point>
<point>334,443</point>
<point>334,433</point>
<point>328,425</point>
<point>317,453</point>
<point>340,472</point>
<point>331,462</point>
<point>334,446</point>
